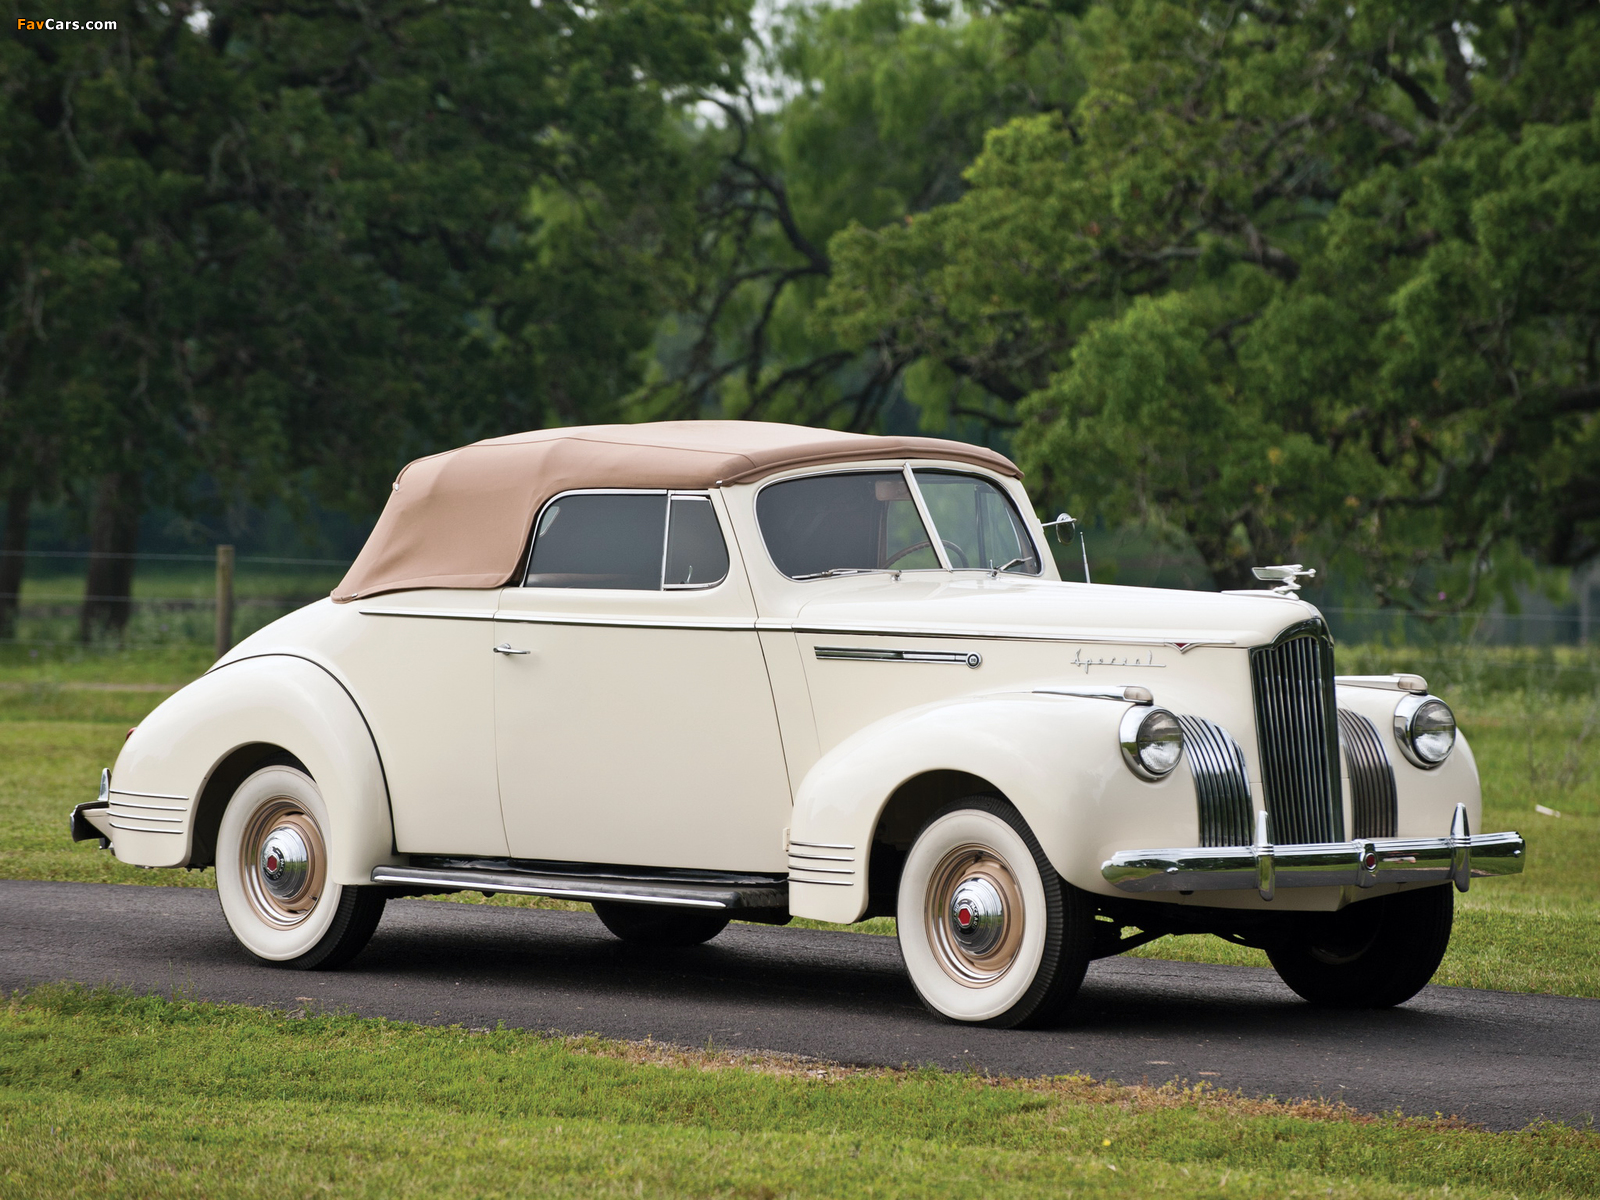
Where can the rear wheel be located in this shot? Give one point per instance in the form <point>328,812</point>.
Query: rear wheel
<point>1372,954</point>
<point>661,925</point>
<point>990,934</point>
<point>272,876</point>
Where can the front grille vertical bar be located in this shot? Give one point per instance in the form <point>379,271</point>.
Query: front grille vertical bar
<point>1374,803</point>
<point>1298,734</point>
<point>1221,782</point>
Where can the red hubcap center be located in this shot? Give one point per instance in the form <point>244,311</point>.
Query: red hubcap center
<point>272,862</point>
<point>964,917</point>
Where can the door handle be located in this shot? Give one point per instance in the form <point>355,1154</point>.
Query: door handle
<point>505,648</point>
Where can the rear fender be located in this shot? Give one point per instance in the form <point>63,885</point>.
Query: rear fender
<point>178,769</point>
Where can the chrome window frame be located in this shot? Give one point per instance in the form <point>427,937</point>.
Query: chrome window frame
<point>907,470</point>
<point>1038,557</point>
<point>666,527</point>
<point>666,543</point>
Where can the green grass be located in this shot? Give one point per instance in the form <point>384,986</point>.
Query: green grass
<point>105,1094</point>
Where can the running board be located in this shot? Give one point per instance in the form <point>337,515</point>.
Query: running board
<point>677,892</point>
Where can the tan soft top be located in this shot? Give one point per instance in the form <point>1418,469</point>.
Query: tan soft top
<point>461,519</point>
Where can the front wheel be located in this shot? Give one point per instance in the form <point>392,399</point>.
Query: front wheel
<point>272,876</point>
<point>990,934</point>
<point>1372,954</point>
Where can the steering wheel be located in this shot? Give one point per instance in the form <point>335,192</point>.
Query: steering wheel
<point>926,545</point>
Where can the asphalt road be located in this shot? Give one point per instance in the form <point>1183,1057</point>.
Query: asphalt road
<point>1500,1059</point>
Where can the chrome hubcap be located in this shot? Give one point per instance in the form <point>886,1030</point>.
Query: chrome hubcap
<point>974,915</point>
<point>285,862</point>
<point>977,915</point>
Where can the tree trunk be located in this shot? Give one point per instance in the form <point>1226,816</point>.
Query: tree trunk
<point>15,540</point>
<point>113,539</point>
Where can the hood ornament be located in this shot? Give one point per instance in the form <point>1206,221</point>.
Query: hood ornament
<point>1286,576</point>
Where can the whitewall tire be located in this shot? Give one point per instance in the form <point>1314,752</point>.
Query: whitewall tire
<point>989,933</point>
<point>272,866</point>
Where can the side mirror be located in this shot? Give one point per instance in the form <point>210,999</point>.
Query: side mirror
<point>1066,527</point>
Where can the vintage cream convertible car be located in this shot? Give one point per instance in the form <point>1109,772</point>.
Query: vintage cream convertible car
<point>702,671</point>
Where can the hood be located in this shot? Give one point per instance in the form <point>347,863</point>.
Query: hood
<point>1047,610</point>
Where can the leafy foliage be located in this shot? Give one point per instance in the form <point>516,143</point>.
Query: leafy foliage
<point>1286,275</point>
<point>257,239</point>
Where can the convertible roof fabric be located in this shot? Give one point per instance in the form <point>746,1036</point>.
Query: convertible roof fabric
<point>461,519</point>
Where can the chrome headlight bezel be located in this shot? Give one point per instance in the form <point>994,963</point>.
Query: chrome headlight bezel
<point>1408,735</point>
<point>1136,740</point>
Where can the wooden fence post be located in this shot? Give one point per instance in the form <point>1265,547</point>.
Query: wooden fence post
<point>224,600</point>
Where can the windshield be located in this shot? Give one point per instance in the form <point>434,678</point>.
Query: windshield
<point>859,521</point>
<point>868,521</point>
<point>978,523</point>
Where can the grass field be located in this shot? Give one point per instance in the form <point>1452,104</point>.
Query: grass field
<point>108,1095</point>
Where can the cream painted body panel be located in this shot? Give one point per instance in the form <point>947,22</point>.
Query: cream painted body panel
<point>421,666</point>
<point>276,699</point>
<point>639,729</point>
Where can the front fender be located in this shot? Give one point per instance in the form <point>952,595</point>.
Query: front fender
<point>165,766</point>
<point>1056,758</point>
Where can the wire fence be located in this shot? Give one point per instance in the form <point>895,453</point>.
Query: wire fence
<point>176,600</point>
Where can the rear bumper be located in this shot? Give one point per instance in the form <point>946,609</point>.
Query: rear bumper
<point>1459,858</point>
<point>92,819</point>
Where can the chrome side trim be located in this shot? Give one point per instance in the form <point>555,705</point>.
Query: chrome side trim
<point>989,633</point>
<point>177,808</point>
<point>438,614</point>
<point>1374,802</point>
<point>676,892</point>
<point>1221,781</point>
<point>1459,859</point>
<point>146,796</point>
<point>1131,694</point>
<point>115,811</point>
<point>610,622</point>
<point>116,824</point>
<point>823,857</point>
<point>822,845</point>
<point>863,654</point>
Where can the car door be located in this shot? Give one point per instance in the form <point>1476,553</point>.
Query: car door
<point>634,721</point>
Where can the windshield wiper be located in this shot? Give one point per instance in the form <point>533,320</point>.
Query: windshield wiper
<point>833,571</point>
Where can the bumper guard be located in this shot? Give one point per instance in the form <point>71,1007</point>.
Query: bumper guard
<point>1459,859</point>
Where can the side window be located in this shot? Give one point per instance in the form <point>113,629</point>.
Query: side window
<point>696,554</point>
<point>855,521</point>
<point>599,541</point>
<point>615,540</point>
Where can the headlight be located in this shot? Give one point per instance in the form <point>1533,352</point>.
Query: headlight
<point>1152,742</point>
<point>1426,730</point>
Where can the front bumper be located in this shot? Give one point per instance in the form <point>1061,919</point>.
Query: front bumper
<point>1459,858</point>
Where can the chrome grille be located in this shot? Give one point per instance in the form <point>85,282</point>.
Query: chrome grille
<point>1221,782</point>
<point>1298,734</point>
<point>1374,806</point>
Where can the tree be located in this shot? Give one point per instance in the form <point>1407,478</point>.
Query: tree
<point>869,115</point>
<point>320,237</point>
<point>1287,275</point>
